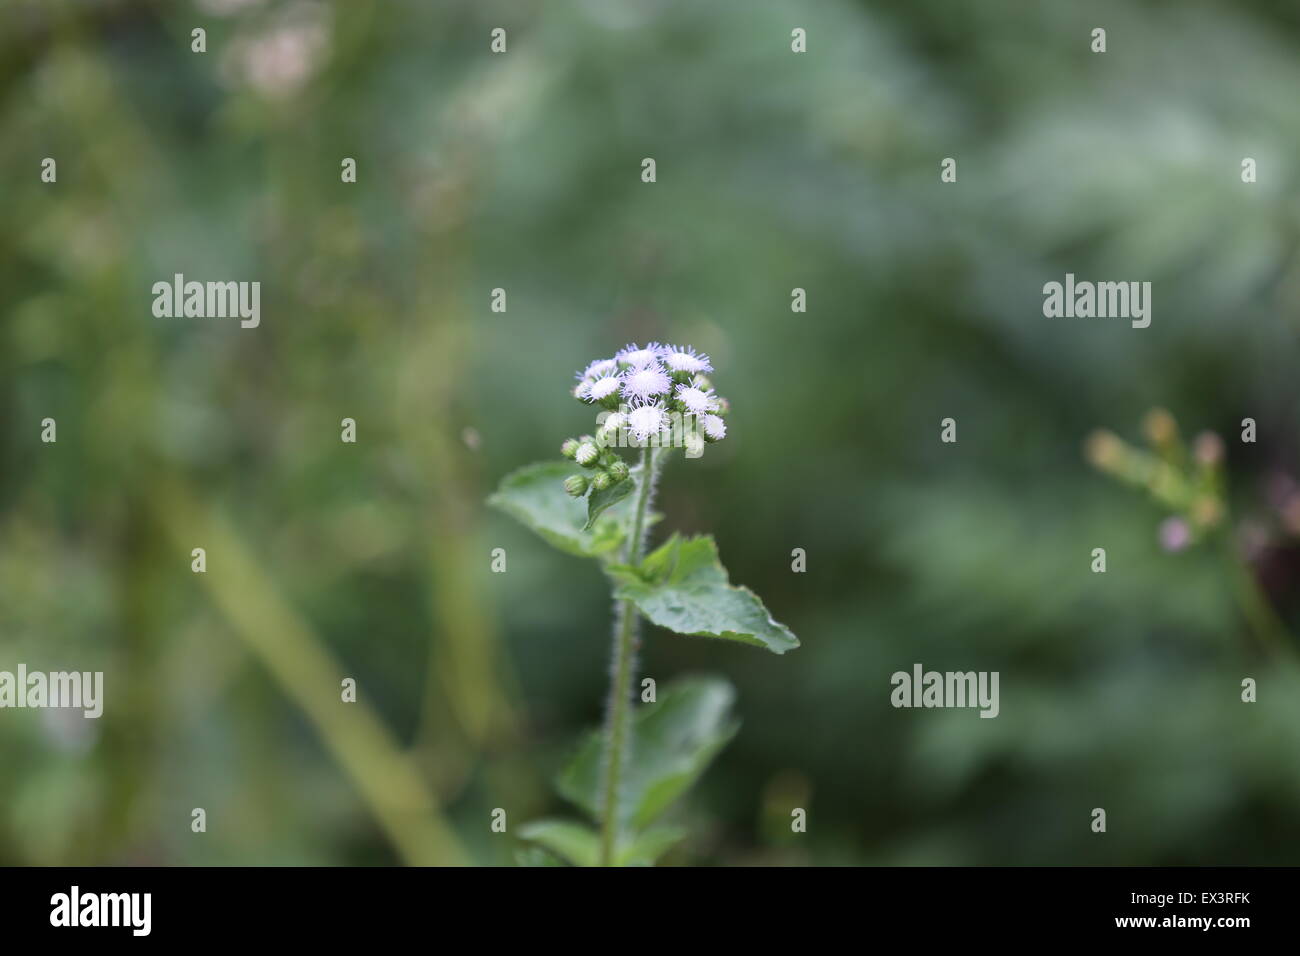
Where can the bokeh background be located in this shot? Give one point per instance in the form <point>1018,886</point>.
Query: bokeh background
<point>522,171</point>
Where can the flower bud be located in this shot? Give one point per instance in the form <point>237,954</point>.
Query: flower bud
<point>1104,450</point>
<point>1208,448</point>
<point>570,448</point>
<point>576,485</point>
<point>618,471</point>
<point>586,454</point>
<point>1160,427</point>
<point>610,428</point>
<point>601,480</point>
<point>1206,512</point>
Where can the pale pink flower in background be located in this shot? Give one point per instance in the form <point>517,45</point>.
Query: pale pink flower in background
<point>279,60</point>
<point>1175,534</point>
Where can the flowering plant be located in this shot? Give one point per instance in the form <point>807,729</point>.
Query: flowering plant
<point>650,400</point>
<point>1191,488</point>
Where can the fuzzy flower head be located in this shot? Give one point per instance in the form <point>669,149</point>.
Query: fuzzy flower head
<point>599,382</point>
<point>637,357</point>
<point>660,393</point>
<point>686,360</point>
<point>696,400</point>
<point>646,382</point>
<point>715,429</point>
<point>646,420</point>
<point>597,390</point>
<point>598,369</point>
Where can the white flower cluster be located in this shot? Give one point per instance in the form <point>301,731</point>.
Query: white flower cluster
<point>653,391</point>
<point>646,385</point>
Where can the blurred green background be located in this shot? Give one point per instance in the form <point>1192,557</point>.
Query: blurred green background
<point>522,171</point>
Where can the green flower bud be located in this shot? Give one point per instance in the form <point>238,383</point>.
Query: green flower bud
<point>586,454</point>
<point>576,485</point>
<point>601,480</point>
<point>618,471</point>
<point>570,448</point>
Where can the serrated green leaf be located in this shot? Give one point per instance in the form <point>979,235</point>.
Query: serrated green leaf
<point>575,842</point>
<point>646,848</point>
<point>672,742</point>
<point>682,586</point>
<point>535,496</point>
<point>599,501</point>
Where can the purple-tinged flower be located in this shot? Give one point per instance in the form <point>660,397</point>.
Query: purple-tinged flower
<point>1175,534</point>
<point>645,383</point>
<point>598,369</point>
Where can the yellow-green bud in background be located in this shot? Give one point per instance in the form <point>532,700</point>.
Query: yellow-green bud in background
<point>1160,428</point>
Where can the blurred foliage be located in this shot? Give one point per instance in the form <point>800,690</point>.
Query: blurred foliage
<point>521,171</point>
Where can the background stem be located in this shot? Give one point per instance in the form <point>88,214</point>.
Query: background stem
<point>386,778</point>
<point>618,712</point>
<point>1270,632</point>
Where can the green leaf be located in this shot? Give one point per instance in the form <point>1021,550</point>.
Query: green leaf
<point>672,742</point>
<point>535,496</point>
<point>536,856</point>
<point>575,842</point>
<point>599,501</point>
<point>646,848</point>
<point>561,841</point>
<point>682,586</point>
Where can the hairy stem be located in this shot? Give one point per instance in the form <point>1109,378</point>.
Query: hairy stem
<point>618,713</point>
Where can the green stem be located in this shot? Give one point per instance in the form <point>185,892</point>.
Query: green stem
<point>618,714</point>
<point>1270,633</point>
<point>402,801</point>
